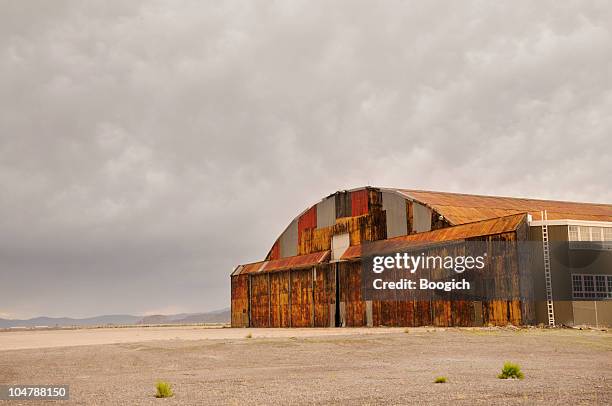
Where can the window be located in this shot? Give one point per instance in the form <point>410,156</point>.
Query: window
<point>573,233</point>
<point>600,287</point>
<point>591,286</point>
<point>577,286</point>
<point>590,237</point>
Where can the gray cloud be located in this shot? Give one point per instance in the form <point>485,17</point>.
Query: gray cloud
<point>147,147</point>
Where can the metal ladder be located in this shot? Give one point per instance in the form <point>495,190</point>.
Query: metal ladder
<point>546,249</point>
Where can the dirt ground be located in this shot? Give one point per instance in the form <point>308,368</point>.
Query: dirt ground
<point>318,366</point>
<point>24,339</point>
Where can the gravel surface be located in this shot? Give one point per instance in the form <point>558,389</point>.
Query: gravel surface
<point>392,367</point>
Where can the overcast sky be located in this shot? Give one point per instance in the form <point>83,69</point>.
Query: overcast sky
<point>148,147</point>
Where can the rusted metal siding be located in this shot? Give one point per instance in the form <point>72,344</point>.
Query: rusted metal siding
<point>343,204</point>
<point>502,312</point>
<point>301,298</point>
<point>260,300</point>
<point>374,200</point>
<point>310,298</point>
<point>445,309</point>
<point>364,201</point>
<point>369,227</point>
<point>463,313</point>
<point>253,268</point>
<point>289,298</point>
<point>275,252</point>
<point>462,208</point>
<point>352,306</point>
<point>359,202</point>
<point>464,231</point>
<point>324,295</point>
<point>314,229</point>
<point>279,299</point>
<point>307,221</point>
<point>409,217</point>
<point>240,306</point>
<point>502,277</point>
<point>297,261</point>
<point>306,297</point>
<point>422,313</point>
<point>288,289</point>
<point>315,240</point>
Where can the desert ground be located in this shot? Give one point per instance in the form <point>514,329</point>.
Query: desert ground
<point>312,366</point>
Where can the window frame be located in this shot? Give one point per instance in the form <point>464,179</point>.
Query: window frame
<point>589,237</point>
<point>590,285</point>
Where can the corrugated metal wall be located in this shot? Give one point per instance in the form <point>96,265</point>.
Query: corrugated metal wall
<point>369,227</point>
<point>343,204</point>
<point>291,298</point>
<point>307,221</point>
<point>314,229</point>
<point>279,295</point>
<point>289,240</point>
<point>395,209</point>
<point>421,217</point>
<point>359,202</point>
<point>352,306</point>
<point>240,301</point>
<point>307,296</point>
<point>260,300</point>
<point>301,297</point>
<point>275,252</point>
<point>326,212</point>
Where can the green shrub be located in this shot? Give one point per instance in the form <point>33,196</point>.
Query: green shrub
<point>440,379</point>
<point>511,370</point>
<point>164,390</point>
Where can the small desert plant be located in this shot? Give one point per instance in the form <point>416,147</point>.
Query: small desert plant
<point>511,370</point>
<point>249,335</point>
<point>164,390</point>
<point>407,331</point>
<point>440,379</point>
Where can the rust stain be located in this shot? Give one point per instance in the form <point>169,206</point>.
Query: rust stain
<point>307,221</point>
<point>359,202</point>
<point>298,261</point>
<point>477,229</point>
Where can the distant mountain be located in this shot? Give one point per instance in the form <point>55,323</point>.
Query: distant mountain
<point>113,319</point>
<point>217,316</point>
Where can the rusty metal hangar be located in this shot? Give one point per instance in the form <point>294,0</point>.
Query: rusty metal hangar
<point>312,275</point>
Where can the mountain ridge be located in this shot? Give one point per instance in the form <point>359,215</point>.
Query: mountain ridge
<point>215,316</point>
